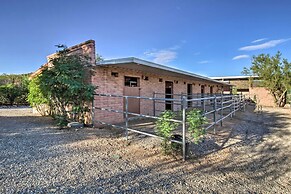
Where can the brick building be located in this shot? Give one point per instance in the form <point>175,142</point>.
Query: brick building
<point>136,77</point>
<point>251,89</point>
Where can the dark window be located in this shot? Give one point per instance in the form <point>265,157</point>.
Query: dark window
<point>114,74</point>
<point>160,80</point>
<point>131,81</point>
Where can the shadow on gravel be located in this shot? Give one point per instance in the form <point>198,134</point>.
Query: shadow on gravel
<point>26,138</point>
<point>255,153</point>
<point>251,147</point>
<point>258,151</point>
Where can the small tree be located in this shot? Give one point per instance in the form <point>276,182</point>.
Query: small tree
<point>165,129</point>
<point>36,98</point>
<point>9,93</point>
<point>275,73</point>
<point>64,86</point>
<point>196,120</point>
<point>13,89</point>
<point>23,90</point>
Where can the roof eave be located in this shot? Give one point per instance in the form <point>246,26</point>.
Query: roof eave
<point>154,65</point>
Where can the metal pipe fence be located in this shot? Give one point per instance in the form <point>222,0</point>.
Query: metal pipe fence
<point>215,108</point>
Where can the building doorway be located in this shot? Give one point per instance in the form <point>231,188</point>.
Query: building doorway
<point>202,91</point>
<point>189,94</point>
<point>168,94</point>
<point>132,88</point>
<point>211,90</point>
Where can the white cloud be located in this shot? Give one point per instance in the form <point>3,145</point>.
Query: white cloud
<point>162,56</point>
<point>203,62</point>
<point>240,57</point>
<point>269,44</point>
<point>259,40</point>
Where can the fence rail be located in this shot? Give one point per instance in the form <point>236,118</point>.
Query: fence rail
<point>215,108</point>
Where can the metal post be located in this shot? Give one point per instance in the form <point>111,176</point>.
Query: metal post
<point>214,113</point>
<point>203,105</point>
<point>230,107</point>
<point>244,102</point>
<point>234,105</point>
<point>184,104</point>
<point>181,101</point>
<point>126,117</point>
<point>154,104</point>
<point>92,111</point>
<point>221,110</point>
<point>191,99</point>
<point>197,102</point>
<point>240,102</point>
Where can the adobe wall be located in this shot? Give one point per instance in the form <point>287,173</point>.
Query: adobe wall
<point>108,84</point>
<point>263,96</point>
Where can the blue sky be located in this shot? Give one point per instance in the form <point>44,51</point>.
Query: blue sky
<point>213,38</point>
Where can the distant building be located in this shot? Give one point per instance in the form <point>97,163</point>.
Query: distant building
<point>251,87</point>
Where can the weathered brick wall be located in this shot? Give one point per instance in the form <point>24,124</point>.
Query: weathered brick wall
<point>263,96</point>
<point>108,84</point>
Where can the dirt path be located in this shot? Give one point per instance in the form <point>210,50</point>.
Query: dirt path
<point>251,153</point>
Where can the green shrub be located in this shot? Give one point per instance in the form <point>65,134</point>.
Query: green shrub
<point>9,93</point>
<point>13,89</point>
<point>36,98</point>
<point>165,129</point>
<point>196,120</point>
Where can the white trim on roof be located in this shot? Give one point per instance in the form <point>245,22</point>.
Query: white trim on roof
<point>154,65</point>
<point>234,77</point>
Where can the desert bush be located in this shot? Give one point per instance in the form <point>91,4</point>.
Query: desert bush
<point>195,121</point>
<point>165,129</point>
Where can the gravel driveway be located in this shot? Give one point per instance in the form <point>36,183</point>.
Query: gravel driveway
<point>252,154</point>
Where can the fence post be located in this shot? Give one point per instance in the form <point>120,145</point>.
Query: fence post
<point>234,104</point>
<point>92,111</point>
<point>154,103</point>
<point>239,99</point>
<point>181,101</point>
<point>244,102</point>
<point>197,102</point>
<point>184,104</point>
<point>221,110</point>
<point>203,105</point>
<point>214,113</point>
<point>126,117</point>
<point>230,107</point>
<point>192,101</point>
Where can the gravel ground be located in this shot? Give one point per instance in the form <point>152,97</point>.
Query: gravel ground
<point>249,154</point>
